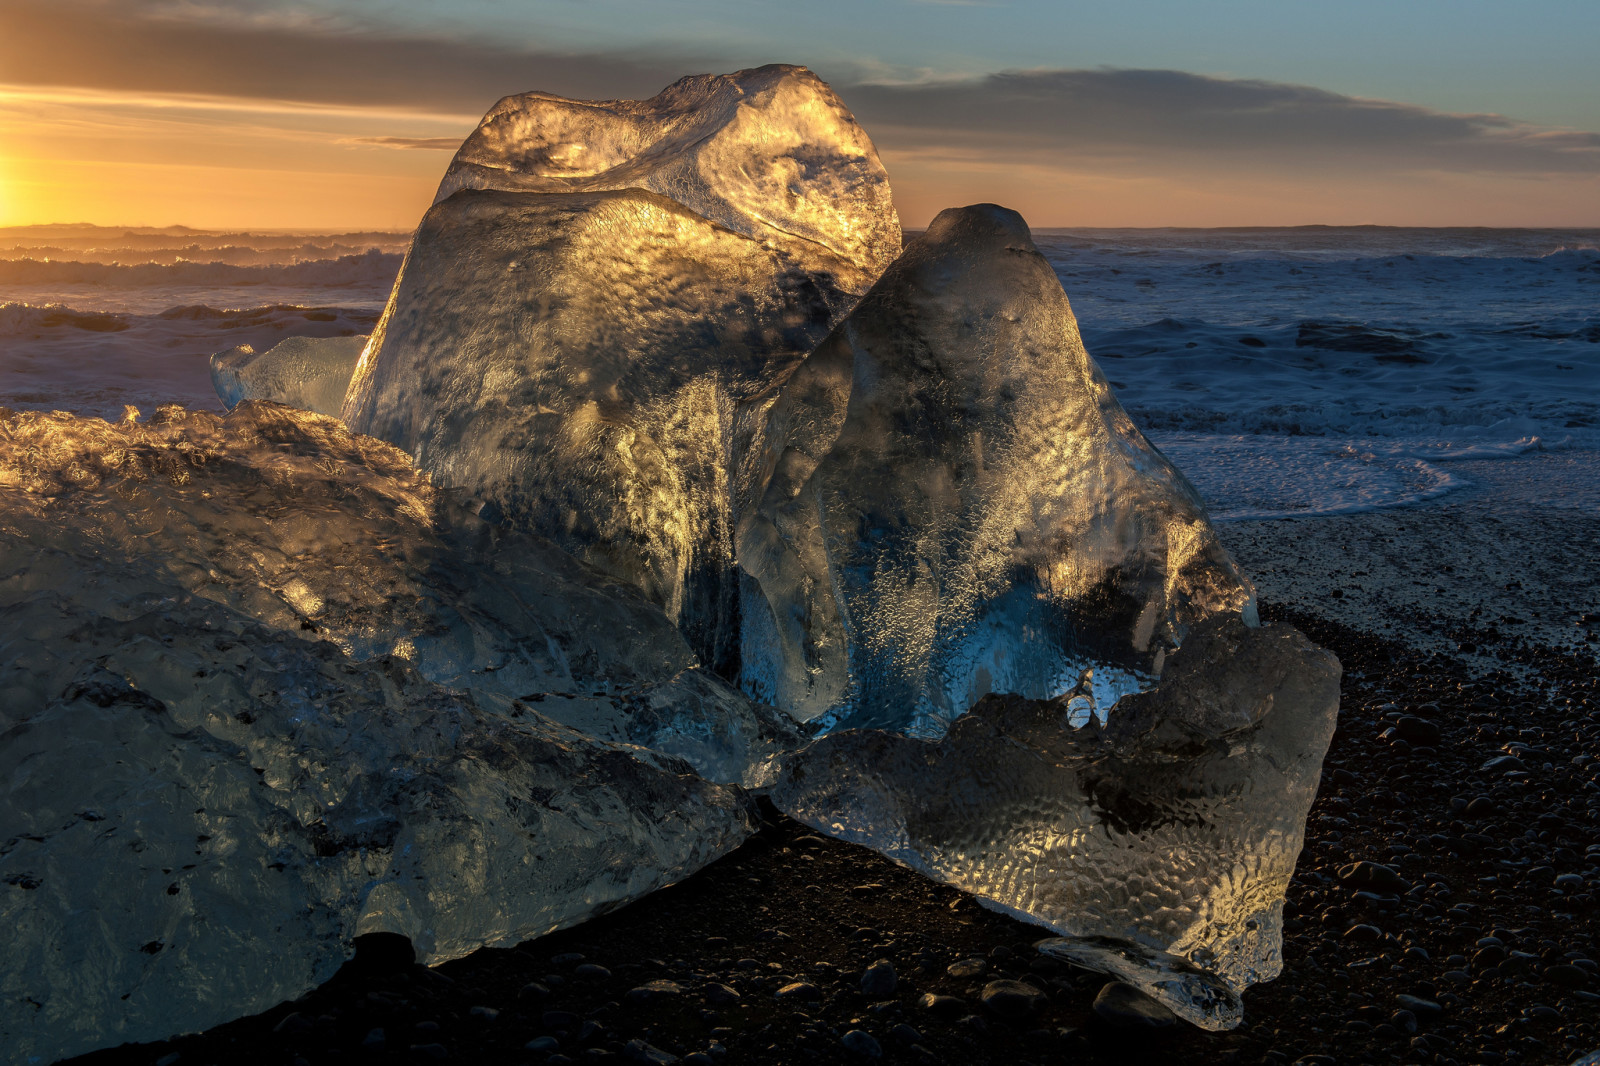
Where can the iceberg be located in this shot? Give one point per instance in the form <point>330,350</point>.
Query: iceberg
<point>601,301</point>
<point>312,373</point>
<point>226,732</point>
<point>954,503</point>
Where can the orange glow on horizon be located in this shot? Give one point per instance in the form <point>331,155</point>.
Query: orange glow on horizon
<point>112,158</point>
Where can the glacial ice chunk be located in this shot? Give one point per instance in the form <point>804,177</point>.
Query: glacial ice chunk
<point>224,736</point>
<point>953,503</point>
<point>1159,845</point>
<point>312,373</point>
<point>287,519</point>
<point>602,300</point>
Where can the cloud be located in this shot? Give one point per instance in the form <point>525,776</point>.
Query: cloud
<point>1125,115</point>
<point>132,46</point>
<point>434,144</point>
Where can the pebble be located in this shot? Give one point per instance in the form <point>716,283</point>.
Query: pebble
<point>654,992</point>
<point>943,1006</point>
<point>542,1043</point>
<point>1419,731</point>
<point>799,990</point>
<point>721,995</point>
<point>1567,976</point>
<point>375,1040</point>
<point>484,1014</point>
<point>1373,875</point>
<point>1422,1008</point>
<point>968,968</point>
<point>879,979</point>
<point>1128,1008</point>
<point>1010,999</point>
<point>430,1051</point>
<point>593,970</point>
<point>905,1034</point>
<point>862,1043</point>
<point>639,1051</point>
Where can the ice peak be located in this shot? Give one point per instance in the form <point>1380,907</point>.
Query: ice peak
<point>770,153</point>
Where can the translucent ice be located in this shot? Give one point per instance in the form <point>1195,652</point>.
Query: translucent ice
<point>603,298</point>
<point>954,504</point>
<point>771,154</point>
<point>286,518</point>
<point>225,748</point>
<point>312,373</point>
<point>1160,844</point>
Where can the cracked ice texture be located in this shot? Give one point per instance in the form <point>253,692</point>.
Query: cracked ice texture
<point>226,750</point>
<point>312,373</point>
<point>604,297</point>
<point>954,503</point>
<point>1160,844</point>
<point>287,519</point>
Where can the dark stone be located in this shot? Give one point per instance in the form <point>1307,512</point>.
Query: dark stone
<point>1567,976</point>
<point>1128,1008</point>
<point>721,995</point>
<point>654,992</point>
<point>1363,932</point>
<point>861,1043</point>
<point>943,1006</point>
<point>639,1051</point>
<point>905,1034</point>
<point>1481,807</point>
<point>430,1051</point>
<point>799,990</point>
<point>1419,731</point>
<point>966,968</point>
<point>589,969</point>
<point>879,979</point>
<point>1373,875</point>
<point>542,1043</point>
<point>1010,999</point>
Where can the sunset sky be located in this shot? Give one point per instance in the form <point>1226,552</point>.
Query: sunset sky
<point>343,113</point>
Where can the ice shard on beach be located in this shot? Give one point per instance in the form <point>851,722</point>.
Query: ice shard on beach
<point>954,503</point>
<point>962,535</point>
<point>261,694</point>
<point>312,373</point>
<point>601,298</point>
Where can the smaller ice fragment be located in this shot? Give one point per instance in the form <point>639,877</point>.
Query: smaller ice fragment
<point>1172,979</point>
<point>311,373</point>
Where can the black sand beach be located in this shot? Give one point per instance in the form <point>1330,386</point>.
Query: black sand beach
<point>1465,774</point>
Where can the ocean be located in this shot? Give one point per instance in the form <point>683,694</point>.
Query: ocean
<point>1287,371</point>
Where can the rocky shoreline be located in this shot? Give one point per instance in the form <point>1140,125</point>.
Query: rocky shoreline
<point>1443,911</point>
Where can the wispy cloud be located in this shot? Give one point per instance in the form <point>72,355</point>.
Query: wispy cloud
<point>434,144</point>
<point>1125,114</point>
<point>193,49</point>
